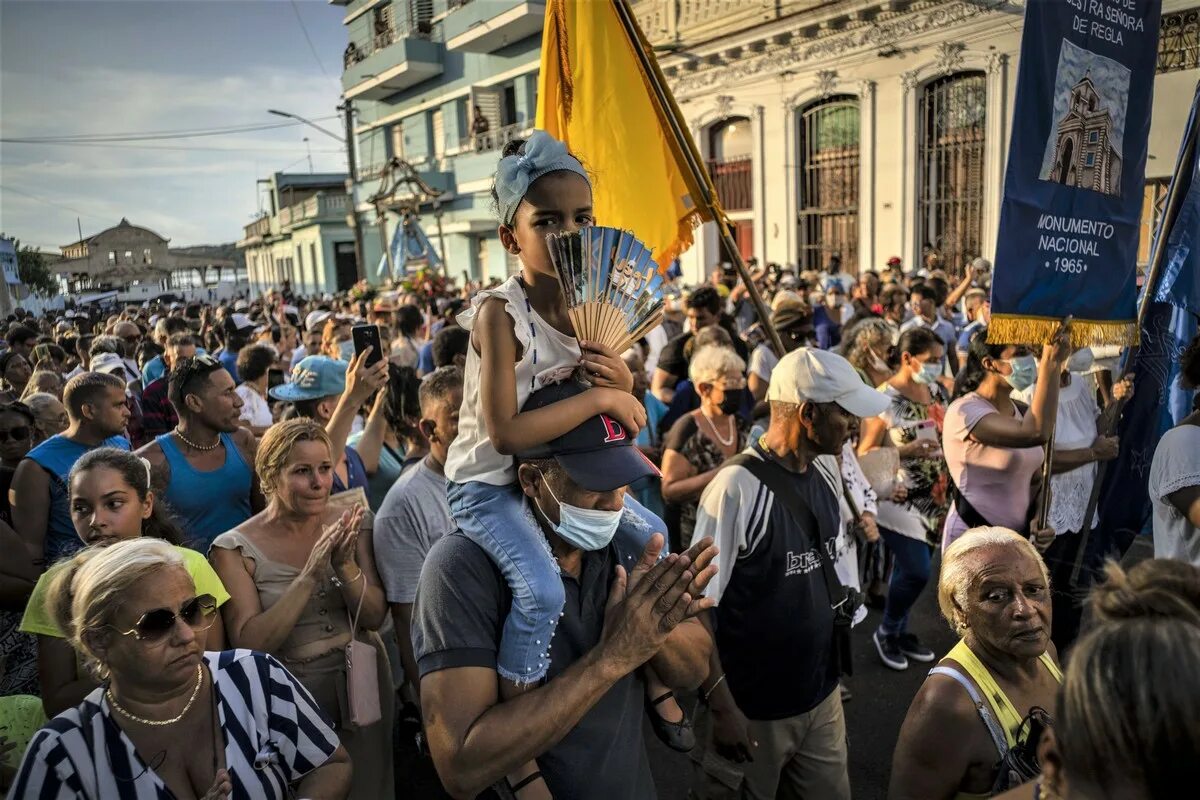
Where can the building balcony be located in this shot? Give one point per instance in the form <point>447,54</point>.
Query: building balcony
<point>256,231</point>
<point>394,61</point>
<point>484,26</point>
<point>316,209</point>
<point>734,180</point>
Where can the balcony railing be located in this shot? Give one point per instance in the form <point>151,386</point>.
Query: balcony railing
<point>734,181</point>
<point>260,227</point>
<point>321,206</point>
<point>493,140</point>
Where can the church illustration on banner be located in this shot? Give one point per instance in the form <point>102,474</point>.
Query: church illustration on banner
<point>1083,153</point>
<point>1083,149</point>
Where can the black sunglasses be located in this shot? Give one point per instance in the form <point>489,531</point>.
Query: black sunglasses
<point>199,613</point>
<point>191,367</point>
<point>19,434</point>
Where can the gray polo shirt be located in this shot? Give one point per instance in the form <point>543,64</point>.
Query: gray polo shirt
<point>414,515</point>
<point>462,602</point>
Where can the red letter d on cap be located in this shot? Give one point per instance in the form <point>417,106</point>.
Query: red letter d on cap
<point>612,429</point>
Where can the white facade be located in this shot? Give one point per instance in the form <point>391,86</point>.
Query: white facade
<point>724,62</point>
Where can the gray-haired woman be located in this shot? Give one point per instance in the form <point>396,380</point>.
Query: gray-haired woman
<point>988,695</point>
<point>171,719</point>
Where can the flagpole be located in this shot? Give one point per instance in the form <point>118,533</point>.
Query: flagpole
<point>662,96</point>
<point>1174,201</point>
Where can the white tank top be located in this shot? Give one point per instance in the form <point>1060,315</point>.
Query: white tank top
<point>546,356</point>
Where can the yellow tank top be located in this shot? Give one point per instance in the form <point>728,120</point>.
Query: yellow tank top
<point>1001,707</point>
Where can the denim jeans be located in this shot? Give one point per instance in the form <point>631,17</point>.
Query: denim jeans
<point>910,573</point>
<point>498,519</point>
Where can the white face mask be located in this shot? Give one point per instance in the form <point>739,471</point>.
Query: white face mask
<point>585,528</point>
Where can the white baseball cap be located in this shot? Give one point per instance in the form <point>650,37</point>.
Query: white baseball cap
<point>108,362</point>
<point>242,323</point>
<point>240,305</point>
<point>316,318</point>
<point>808,374</point>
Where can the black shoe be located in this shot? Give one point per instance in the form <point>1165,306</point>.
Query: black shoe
<point>911,646</point>
<point>889,651</point>
<point>678,736</point>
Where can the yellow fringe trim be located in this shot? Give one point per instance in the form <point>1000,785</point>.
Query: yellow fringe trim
<point>566,79</point>
<point>683,240</point>
<point>1019,329</point>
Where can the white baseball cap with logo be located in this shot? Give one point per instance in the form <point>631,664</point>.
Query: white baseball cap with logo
<point>811,375</point>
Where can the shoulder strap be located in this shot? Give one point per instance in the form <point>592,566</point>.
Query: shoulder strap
<point>837,482</point>
<point>775,478</point>
<point>985,713</point>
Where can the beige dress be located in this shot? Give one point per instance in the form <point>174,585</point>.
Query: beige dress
<point>315,652</point>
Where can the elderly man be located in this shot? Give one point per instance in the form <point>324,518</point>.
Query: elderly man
<point>781,615</point>
<point>589,711</point>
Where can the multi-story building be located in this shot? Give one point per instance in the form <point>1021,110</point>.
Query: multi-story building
<point>304,238</point>
<point>420,74</point>
<point>867,128</point>
<point>136,262</point>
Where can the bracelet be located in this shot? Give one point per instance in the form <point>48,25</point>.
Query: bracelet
<point>339,583</point>
<point>713,688</point>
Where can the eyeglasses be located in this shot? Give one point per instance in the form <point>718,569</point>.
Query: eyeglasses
<point>15,434</point>
<point>134,339</point>
<point>199,613</point>
<point>189,368</point>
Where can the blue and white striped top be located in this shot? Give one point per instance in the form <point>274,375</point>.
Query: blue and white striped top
<point>273,729</point>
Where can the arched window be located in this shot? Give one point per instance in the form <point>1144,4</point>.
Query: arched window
<point>731,162</point>
<point>950,188</point>
<point>828,182</point>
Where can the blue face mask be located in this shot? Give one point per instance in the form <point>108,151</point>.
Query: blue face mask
<point>585,528</point>
<point>928,373</point>
<point>1024,372</point>
<point>347,349</point>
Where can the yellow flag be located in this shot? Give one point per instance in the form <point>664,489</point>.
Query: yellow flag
<point>599,98</point>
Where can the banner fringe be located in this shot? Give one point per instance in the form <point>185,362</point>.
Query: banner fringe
<point>1016,329</point>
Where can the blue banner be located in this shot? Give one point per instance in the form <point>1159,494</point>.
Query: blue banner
<point>1068,235</point>
<point>1159,402</point>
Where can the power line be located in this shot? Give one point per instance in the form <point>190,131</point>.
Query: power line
<point>180,148</point>
<point>308,39</point>
<point>154,135</point>
<point>50,202</point>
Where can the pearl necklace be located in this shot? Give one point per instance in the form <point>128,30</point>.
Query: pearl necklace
<point>195,446</point>
<point>717,436</point>
<point>112,701</point>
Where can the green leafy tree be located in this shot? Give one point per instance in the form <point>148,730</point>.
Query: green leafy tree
<point>33,270</point>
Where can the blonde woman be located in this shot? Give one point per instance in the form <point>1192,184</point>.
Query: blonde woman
<point>171,719</point>
<point>297,573</point>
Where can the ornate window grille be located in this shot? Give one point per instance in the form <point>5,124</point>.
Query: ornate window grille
<point>950,184</point>
<point>828,182</point>
<point>1179,41</point>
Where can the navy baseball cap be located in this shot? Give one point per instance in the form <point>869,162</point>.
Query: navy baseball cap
<point>599,455</point>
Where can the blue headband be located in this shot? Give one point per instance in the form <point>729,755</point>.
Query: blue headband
<point>515,174</point>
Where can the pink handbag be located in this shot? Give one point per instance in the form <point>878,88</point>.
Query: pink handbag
<point>362,676</point>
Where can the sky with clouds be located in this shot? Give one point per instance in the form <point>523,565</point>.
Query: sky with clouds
<point>127,66</point>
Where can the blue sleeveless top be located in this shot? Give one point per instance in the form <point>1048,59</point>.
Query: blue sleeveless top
<point>206,504</point>
<point>56,456</point>
<point>356,473</point>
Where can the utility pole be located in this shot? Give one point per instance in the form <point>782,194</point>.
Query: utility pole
<point>355,221</point>
<point>348,140</point>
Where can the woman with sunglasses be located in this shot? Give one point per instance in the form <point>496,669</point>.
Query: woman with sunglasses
<point>111,501</point>
<point>171,720</point>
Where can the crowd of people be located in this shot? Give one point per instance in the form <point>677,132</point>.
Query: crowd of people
<point>240,549</point>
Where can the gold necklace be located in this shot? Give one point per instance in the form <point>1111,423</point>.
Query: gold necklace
<point>194,446</point>
<point>112,701</point>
